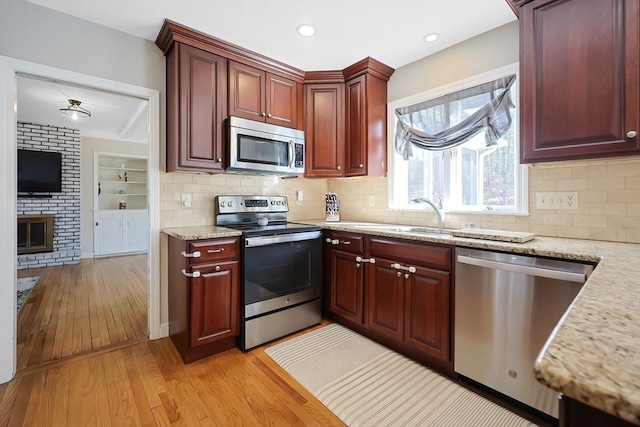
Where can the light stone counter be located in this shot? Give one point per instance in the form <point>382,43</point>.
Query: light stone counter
<point>200,232</point>
<point>593,355</point>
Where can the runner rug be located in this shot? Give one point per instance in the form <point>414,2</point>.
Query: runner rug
<point>25,286</point>
<point>366,384</point>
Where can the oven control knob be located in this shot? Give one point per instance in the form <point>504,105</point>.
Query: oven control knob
<point>273,203</point>
<point>230,204</point>
<point>222,204</point>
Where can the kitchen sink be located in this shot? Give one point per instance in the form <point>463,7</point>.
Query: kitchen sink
<point>421,231</point>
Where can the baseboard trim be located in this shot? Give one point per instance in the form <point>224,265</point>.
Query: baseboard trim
<point>85,256</point>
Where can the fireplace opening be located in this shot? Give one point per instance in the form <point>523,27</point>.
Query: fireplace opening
<point>35,234</point>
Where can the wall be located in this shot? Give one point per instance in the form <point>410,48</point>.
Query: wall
<point>205,187</point>
<point>485,52</point>
<point>35,33</point>
<point>608,190</point>
<point>64,205</point>
<point>87,147</point>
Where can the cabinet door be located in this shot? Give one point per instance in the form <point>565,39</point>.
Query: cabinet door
<point>427,312</point>
<point>109,234</point>
<point>194,128</point>
<point>214,303</point>
<point>282,101</point>
<point>356,129</point>
<point>579,79</point>
<point>324,129</point>
<point>385,299</point>
<point>346,286</point>
<point>246,92</point>
<point>137,231</point>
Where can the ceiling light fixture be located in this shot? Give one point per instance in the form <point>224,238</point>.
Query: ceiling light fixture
<point>306,30</point>
<point>75,112</point>
<point>431,37</point>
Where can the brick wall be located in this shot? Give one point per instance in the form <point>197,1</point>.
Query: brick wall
<point>64,205</point>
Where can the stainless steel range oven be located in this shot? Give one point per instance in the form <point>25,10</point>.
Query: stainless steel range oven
<point>281,267</point>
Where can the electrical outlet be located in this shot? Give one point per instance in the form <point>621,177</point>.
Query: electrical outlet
<point>557,200</point>
<point>186,200</point>
<point>372,200</point>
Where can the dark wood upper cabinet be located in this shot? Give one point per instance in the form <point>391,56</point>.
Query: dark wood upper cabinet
<point>324,129</point>
<point>579,79</point>
<point>196,90</point>
<point>258,95</point>
<point>246,91</point>
<point>366,118</point>
<point>353,140</point>
<point>202,92</point>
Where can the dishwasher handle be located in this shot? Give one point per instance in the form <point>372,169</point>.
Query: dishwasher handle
<point>522,269</point>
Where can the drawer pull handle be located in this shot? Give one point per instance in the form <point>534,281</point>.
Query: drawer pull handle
<point>194,274</point>
<point>217,268</point>
<point>631,134</point>
<point>410,269</point>
<point>328,240</point>
<point>345,242</point>
<point>215,251</point>
<point>398,274</point>
<point>195,254</point>
<point>369,260</point>
<point>335,242</point>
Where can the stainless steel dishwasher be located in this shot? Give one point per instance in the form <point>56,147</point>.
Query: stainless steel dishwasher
<point>506,306</point>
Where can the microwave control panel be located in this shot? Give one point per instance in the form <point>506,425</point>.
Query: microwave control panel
<point>299,156</point>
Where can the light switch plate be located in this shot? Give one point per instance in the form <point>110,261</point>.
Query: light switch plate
<point>186,200</point>
<point>557,200</point>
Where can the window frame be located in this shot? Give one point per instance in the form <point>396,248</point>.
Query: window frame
<point>522,205</point>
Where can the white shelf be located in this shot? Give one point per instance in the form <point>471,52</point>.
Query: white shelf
<point>122,194</point>
<point>102,181</point>
<point>108,169</point>
<point>121,169</point>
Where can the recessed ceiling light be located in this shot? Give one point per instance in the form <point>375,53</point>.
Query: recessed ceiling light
<point>306,30</point>
<point>431,37</point>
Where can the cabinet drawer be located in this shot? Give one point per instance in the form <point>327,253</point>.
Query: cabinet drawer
<point>348,242</point>
<point>213,250</point>
<point>435,256</point>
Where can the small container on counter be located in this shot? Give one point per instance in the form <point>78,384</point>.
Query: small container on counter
<point>332,207</point>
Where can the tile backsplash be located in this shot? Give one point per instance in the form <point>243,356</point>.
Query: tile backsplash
<point>203,188</point>
<point>608,200</point>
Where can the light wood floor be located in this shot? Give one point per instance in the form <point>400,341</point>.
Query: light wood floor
<point>147,384</point>
<point>79,308</point>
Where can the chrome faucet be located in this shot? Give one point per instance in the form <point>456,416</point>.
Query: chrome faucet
<point>436,208</point>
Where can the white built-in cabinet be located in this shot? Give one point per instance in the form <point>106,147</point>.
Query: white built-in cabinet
<point>121,220</point>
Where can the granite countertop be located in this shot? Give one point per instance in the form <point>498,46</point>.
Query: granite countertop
<point>200,232</point>
<point>593,355</point>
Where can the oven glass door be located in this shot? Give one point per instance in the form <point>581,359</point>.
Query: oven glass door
<point>278,269</point>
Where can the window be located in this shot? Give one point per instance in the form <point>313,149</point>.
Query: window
<point>471,177</point>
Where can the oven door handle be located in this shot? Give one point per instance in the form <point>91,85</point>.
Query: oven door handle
<point>251,242</point>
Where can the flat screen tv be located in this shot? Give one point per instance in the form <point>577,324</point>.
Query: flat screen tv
<point>39,171</point>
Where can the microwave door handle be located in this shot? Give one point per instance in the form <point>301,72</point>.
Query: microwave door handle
<point>292,154</point>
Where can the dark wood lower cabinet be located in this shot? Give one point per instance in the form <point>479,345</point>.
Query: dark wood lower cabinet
<point>427,311</point>
<point>385,299</point>
<point>213,296</point>
<point>204,296</point>
<point>577,414</point>
<point>346,286</point>
<point>398,294</point>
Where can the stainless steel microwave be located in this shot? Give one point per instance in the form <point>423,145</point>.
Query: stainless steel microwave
<point>263,148</point>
